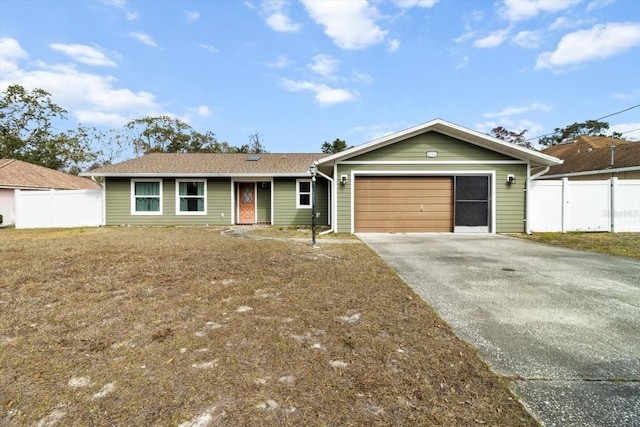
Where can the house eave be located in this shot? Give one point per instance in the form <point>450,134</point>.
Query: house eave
<point>195,175</point>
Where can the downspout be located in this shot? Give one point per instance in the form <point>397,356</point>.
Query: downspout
<point>331,219</point>
<point>527,222</point>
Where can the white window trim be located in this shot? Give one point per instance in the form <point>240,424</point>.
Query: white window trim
<point>178,212</point>
<point>298,193</point>
<point>133,197</point>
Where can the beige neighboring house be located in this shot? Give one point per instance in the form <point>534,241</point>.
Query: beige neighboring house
<point>19,175</point>
<point>595,158</point>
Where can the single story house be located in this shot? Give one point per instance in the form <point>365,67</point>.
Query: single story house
<point>595,158</point>
<point>19,175</point>
<point>435,177</point>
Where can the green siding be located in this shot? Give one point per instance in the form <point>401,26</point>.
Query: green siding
<point>285,211</point>
<point>118,204</point>
<point>416,148</point>
<point>264,202</point>
<point>510,199</point>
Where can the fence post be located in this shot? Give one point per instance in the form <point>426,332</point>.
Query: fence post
<point>565,204</point>
<point>613,208</point>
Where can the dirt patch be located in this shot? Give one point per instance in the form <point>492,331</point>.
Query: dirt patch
<point>183,326</point>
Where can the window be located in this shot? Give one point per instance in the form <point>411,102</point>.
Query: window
<point>146,197</point>
<point>303,193</point>
<point>191,197</point>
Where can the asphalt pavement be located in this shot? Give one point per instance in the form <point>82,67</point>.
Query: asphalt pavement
<point>561,325</point>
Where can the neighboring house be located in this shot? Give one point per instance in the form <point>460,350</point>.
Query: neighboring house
<point>19,175</point>
<point>435,177</point>
<point>595,158</point>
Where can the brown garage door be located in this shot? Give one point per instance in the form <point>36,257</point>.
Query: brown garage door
<point>403,204</point>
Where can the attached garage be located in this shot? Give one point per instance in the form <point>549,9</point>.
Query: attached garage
<point>403,204</point>
<point>435,177</point>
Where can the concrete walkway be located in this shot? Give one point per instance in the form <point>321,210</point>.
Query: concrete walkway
<point>561,325</point>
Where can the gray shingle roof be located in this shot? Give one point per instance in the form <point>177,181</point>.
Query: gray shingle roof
<point>210,164</point>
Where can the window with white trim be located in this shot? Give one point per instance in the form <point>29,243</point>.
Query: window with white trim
<point>146,197</point>
<point>191,197</point>
<point>303,193</point>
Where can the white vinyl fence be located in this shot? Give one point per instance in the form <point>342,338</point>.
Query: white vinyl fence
<point>606,205</point>
<point>59,208</point>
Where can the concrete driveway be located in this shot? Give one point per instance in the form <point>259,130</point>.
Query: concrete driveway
<point>561,325</point>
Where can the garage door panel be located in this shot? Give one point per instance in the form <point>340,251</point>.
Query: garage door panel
<point>403,204</point>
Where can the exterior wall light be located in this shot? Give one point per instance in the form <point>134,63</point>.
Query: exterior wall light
<point>511,179</point>
<point>343,179</point>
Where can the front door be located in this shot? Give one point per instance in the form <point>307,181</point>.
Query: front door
<point>247,203</point>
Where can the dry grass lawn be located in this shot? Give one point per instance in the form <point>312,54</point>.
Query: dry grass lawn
<point>176,326</point>
<point>619,244</point>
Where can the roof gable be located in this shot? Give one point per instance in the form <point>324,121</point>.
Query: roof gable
<point>454,131</point>
<point>211,164</point>
<point>430,145</point>
<point>23,175</point>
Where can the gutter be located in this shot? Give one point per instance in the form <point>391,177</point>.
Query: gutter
<point>331,222</point>
<point>596,172</point>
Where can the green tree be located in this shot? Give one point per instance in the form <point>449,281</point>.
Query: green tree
<point>587,128</point>
<point>164,134</point>
<point>335,147</point>
<point>28,120</point>
<point>516,138</point>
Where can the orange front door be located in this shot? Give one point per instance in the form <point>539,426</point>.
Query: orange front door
<point>247,208</point>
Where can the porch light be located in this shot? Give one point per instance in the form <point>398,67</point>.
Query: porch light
<point>511,179</point>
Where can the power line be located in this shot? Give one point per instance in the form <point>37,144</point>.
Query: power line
<point>618,112</point>
<point>603,117</point>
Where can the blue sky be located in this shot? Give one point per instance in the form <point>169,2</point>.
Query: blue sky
<point>301,72</point>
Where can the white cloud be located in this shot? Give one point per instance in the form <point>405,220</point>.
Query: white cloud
<point>350,24</point>
<point>393,45</point>
<point>209,48</point>
<point>362,77</point>
<point>324,65</point>
<point>277,18</point>
<point>630,131</point>
<point>116,3</point>
<point>84,54</point>
<point>204,111</point>
<point>510,111</point>
<point>91,98</point>
<point>324,94</point>
<point>596,4</point>
<point>122,4</point>
<point>599,42</point>
<point>192,15</point>
<point>416,3</point>
<point>144,38</point>
<point>492,40</point>
<point>282,62</point>
<point>528,39</point>
<point>281,23</point>
<point>520,10</point>
<point>462,63</point>
<point>10,54</point>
